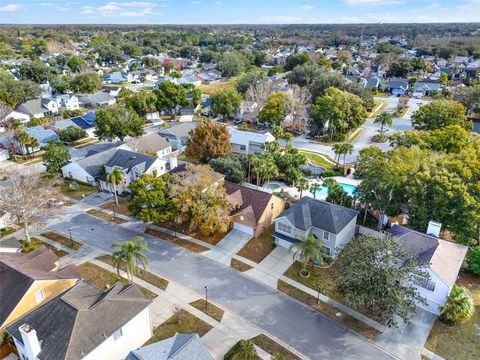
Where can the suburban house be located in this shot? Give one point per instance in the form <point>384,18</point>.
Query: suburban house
<point>443,259</point>
<point>397,87</point>
<point>67,102</point>
<point>133,165</point>
<point>88,169</point>
<point>85,322</point>
<point>153,144</point>
<point>178,347</point>
<point>97,99</point>
<point>422,89</point>
<point>38,108</point>
<point>333,225</point>
<point>9,244</point>
<point>178,134</point>
<point>247,111</point>
<point>30,279</point>
<point>17,115</point>
<point>244,142</point>
<point>118,77</point>
<point>43,136</point>
<point>62,125</point>
<point>253,210</point>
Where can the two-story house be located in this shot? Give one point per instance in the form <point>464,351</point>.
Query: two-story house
<point>333,225</point>
<point>85,323</point>
<point>38,108</point>
<point>67,102</point>
<point>244,142</point>
<point>30,279</point>
<point>178,134</point>
<point>133,165</point>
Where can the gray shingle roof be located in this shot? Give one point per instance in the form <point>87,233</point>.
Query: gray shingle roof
<point>93,163</point>
<point>76,322</point>
<point>179,130</point>
<point>310,212</point>
<point>152,142</point>
<point>128,159</point>
<point>178,347</point>
<point>95,99</point>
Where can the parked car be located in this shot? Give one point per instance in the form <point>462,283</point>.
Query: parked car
<point>311,135</point>
<point>238,121</point>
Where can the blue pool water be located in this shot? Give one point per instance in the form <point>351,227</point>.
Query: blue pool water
<point>349,189</point>
<point>273,186</point>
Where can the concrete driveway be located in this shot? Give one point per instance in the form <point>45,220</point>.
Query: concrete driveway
<point>98,198</point>
<point>306,330</point>
<point>409,340</point>
<point>228,247</point>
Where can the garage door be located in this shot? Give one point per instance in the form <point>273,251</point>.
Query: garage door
<point>283,243</point>
<point>243,228</point>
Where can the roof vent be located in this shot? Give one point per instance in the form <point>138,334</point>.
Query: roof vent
<point>133,157</point>
<point>434,228</point>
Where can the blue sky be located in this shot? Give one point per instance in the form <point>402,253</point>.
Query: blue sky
<point>236,11</point>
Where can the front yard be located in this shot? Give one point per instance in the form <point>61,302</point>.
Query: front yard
<point>177,241</point>
<point>211,310</point>
<point>104,216</point>
<point>35,243</point>
<point>459,342</point>
<point>121,208</point>
<point>184,229</point>
<point>256,249</point>
<point>72,244</point>
<point>76,190</point>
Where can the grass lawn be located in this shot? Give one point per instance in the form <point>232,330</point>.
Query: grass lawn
<point>36,243</point>
<point>183,157</point>
<point>459,342</point>
<point>104,279</point>
<point>78,192</point>
<point>256,249</point>
<point>356,135</point>
<point>105,216</point>
<point>177,241</point>
<point>404,112</point>
<point>239,266</point>
<point>29,158</point>
<point>87,144</point>
<point>121,208</point>
<point>318,160</point>
<point>182,322</point>
<point>6,231</point>
<point>141,273</point>
<point>62,240</point>
<point>273,348</point>
<point>220,85</point>
<point>211,310</point>
<point>328,310</point>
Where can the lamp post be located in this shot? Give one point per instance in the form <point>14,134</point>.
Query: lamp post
<point>71,240</point>
<point>114,206</point>
<point>206,297</point>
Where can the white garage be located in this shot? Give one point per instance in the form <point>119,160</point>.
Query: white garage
<point>243,228</point>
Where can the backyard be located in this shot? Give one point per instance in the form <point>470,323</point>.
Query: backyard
<point>257,248</point>
<point>460,342</point>
<point>219,85</point>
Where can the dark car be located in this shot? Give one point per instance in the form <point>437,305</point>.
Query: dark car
<point>311,135</point>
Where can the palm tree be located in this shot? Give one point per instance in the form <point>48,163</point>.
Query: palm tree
<point>337,149</point>
<point>269,168</point>
<point>132,254</point>
<point>302,184</point>
<point>257,167</point>
<point>314,188</point>
<point>309,249</point>
<point>347,149</point>
<point>245,351</point>
<point>250,160</point>
<point>459,307</point>
<point>115,178</point>
<point>383,120</point>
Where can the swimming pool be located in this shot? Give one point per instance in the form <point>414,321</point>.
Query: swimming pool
<point>273,186</point>
<point>349,189</point>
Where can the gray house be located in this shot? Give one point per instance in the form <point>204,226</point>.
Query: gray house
<point>178,134</point>
<point>333,225</point>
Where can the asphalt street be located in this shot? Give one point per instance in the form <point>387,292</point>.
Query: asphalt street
<point>296,324</point>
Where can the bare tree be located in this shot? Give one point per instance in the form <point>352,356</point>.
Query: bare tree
<point>26,198</point>
<point>259,92</point>
<point>299,99</point>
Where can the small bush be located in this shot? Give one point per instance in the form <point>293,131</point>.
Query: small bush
<point>378,138</point>
<point>459,307</point>
<point>473,260</point>
<point>243,350</point>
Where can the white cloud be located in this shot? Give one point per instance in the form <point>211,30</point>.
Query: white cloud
<point>87,10</point>
<point>372,2</point>
<point>196,2</point>
<point>279,19</point>
<point>306,7</point>
<point>47,4</point>
<point>11,7</point>
<point>109,7</point>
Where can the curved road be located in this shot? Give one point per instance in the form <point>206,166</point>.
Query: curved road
<point>296,324</point>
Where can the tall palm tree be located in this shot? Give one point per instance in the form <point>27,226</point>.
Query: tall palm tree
<point>337,149</point>
<point>347,149</point>
<point>250,160</point>
<point>302,184</point>
<point>258,167</point>
<point>269,168</point>
<point>115,178</point>
<point>309,249</point>
<point>132,254</point>
<point>383,120</point>
<point>314,188</point>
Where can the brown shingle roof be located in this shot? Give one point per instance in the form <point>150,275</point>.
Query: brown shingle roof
<point>250,203</point>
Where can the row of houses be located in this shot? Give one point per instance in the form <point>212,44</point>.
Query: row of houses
<point>52,313</point>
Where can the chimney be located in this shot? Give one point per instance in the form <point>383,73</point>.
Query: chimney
<point>30,341</point>
<point>434,228</point>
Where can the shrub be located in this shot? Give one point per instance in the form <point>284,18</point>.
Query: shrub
<point>243,350</point>
<point>473,260</point>
<point>378,138</point>
<point>459,307</point>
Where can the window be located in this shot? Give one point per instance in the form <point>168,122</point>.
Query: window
<point>117,334</point>
<point>271,206</point>
<point>243,147</point>
<point>284,228</point>
<point>326,250</point>
<point>39,296</point>
<point>325,235</point>
<point>424,283</point>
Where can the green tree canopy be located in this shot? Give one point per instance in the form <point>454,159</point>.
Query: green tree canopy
<point>231,166</point>
<point>54,156</point>
<point>440,113</point>
<point>86,83</point>
<point>170,95</point>
<point>275,109</point>
<point>72,134</point>
<point>230,64</point>
<point>225,102</point>
<point>296,60</point>
<point>459,307</point>
<point>117,122</point>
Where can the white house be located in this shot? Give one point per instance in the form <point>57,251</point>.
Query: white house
<point>244,142</point>
<point>68,102</point>
<point>85,323</point>
<point>133,165</point>
<point>38,108</point>
<point>17,115</point>
<point>443,260</point>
